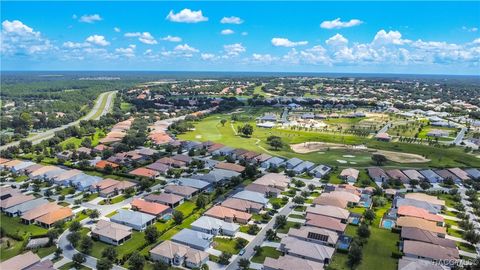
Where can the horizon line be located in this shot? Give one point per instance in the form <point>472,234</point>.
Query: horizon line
<point>264,72</point>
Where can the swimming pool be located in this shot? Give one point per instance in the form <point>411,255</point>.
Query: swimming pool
<point>388,224</point>
<point>167,217</point>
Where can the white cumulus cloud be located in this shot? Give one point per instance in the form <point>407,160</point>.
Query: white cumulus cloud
<point>19,38</point>
<point>234,49</point>
<point>231,20</point>
<point>337,23</point>
<point>90,18</point>
<point>127,52</point>
<point>207,56</point>
<point>186,16</point>
<point>144,37</point>
<point>227,32</point>
<point>337,40</point>
<point>98,40</point>
<point>391,37</point>
<point>284,42</point>
<point>172,38</point>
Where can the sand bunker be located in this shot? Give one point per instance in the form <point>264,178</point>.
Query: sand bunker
<point>309,147</point>
<point>403,157</point>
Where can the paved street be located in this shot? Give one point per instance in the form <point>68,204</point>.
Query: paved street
<point>258,240</point>
<point>460,136</point>
<point>91,115</point>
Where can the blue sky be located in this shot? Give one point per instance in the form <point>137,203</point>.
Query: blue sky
<point>390,37</point>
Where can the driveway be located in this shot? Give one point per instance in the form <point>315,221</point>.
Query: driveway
<point>258,240</point>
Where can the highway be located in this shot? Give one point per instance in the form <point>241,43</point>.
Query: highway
<point>93,114</point>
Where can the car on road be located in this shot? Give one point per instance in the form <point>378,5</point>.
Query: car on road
<point>242,251</point>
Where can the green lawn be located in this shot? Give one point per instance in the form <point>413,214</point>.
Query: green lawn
<point>9,252</point>
<point>225,245</point>
<point>134,243</point>
<point>76,141</point>
<point>378,248</point>
<point>287,227</point>
<point>296,216</point>
<point>125,106</point>
<point>21,178</point>
<point>380,245</point>
<point>466,247</point>
<point>270,252</point>
<point>13,226</point>
<point>114,200</point>
<point>45,251</point>
<point>186,208</point>
<point>454,233</point>
<point>70,265</point>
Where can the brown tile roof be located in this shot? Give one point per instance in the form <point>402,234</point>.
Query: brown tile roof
<point>241,205</point>
<point>105,183</point>
<point>288,262</point>
<point>184,191</point>
<point>328,199</point>
<point>420,224</point>
<point>224,212</point>
<point>151,208</point>
<point>103,163</point>
<point>55,216</point>
<point>350,172</point>
<point>397,174</point>
<point>170,249</point>
<point>426,236</point>
<point>460,173</point>
<point>171,162</point>
<point>144,172</point>
<point>424,197</point>
<point>329,211</point>
<point>164,198</point>
<point>262,189</point>
<point>412,211</point>
<point>43,170</point>
<point>345,195</point>
<point>230,166</point>
<point>14,200</point>
<point>325,222</point>
<point>274,180</point>
<point>20,262</point>
<point>40,211</point>
<point>111,230</point>
<point>431,251</point>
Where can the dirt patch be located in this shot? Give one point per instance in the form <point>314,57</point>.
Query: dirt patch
<point>403,157</point>
<point>399,157</point>
<point>309,147</point>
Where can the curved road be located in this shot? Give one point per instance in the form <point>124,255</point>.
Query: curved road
<point>92,115</point>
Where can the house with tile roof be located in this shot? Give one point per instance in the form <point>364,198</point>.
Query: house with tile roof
<point>52,217</point>
<point>169,199</point>
<point>176,254</point>
<point>194,239</point>
<point>228,214</point>
<point>215,226</point>
<point>111,233</point>
<point>306,250</point>
<point>136,220</point>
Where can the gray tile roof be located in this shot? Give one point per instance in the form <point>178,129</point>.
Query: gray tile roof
<point>195,183</point>
<point>131,217</point>
<point>251,196</point>
<point>193,238</point>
